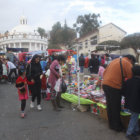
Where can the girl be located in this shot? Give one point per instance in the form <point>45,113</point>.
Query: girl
<point>34,72</point>
<point>21,84</point>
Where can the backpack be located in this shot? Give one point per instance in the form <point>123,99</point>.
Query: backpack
<point>63,86</point>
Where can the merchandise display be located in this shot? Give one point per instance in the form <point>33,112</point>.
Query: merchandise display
<point>91,93</point>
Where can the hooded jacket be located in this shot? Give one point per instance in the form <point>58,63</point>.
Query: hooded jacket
<point>34,70</point>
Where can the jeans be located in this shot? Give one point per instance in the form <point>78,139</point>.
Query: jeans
<point>133,126</point>
<point>81,69</point>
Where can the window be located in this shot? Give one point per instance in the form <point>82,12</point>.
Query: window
<point>93,40</point>
<point>86,43</point>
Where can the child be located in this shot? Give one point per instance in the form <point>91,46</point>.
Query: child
<point>21,84</point>
<point>132,102</point>
<point>101,70</point>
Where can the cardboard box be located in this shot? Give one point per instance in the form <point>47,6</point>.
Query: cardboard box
<point>94,108</point>
<point>103,113</point>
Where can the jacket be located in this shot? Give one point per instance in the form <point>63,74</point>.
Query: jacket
<point>81,61</point>
<point>131,91</point>
<point>112,75</point>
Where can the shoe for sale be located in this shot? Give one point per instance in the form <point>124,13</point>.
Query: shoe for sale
<point>32,105</point>
<point>39,107</point>
<point>22,115</point>
<point>131,137</point>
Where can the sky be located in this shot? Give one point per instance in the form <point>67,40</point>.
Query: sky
<point>45,13</point>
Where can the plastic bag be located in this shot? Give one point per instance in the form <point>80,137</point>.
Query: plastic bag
<point>57,85</point>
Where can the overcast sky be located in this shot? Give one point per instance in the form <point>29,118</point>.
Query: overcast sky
<point>44,13</point>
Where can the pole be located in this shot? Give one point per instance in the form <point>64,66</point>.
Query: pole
<point>78,79</point>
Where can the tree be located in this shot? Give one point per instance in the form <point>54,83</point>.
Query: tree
<point>87,23</point>
<point>42,32</point>
<point>61,35</point>
<point>108,46</point>
<point>6,33</point>
<point>132,41</point>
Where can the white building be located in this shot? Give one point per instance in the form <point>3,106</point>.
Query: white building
<point>23,38</point>
<point>107,32</point>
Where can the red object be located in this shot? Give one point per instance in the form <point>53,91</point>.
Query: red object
<point>21,56</point>
<point>51,51</point>
<point>86,62</point>
<point>44,82</point>
<point>48,96</point>
<point>25,81</point>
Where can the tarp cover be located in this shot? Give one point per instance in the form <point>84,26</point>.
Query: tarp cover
<point>74,99</point>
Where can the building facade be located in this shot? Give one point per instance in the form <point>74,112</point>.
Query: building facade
<point>23,38</point>
<point>107,32</point>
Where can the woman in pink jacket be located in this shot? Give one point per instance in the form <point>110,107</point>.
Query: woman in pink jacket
<point>54,76</point>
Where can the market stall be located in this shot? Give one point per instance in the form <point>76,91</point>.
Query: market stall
<point>91,94</point>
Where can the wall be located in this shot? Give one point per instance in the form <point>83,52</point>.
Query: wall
<point>110,32</point>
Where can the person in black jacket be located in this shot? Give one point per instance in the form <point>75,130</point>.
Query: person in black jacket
<point>81,63</point>
<point>94,64</point>
<point>131,91</point>
<point>34,72</point>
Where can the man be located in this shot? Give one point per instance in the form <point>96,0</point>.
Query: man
<point>112,83</point>
<point>12,69</point>
<point>81,63</point>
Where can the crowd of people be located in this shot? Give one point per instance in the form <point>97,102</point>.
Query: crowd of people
<point>92,63</point>
<point>120,77</point>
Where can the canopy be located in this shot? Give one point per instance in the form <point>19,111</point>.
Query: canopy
<point>51,51</point>
<point>37,52</point>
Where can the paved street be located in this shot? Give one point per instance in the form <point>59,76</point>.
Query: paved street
<point>47,124</point>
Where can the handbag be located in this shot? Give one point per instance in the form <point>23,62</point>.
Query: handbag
<point>63,86</point>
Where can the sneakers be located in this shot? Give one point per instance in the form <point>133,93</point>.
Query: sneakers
<point>32,105</point>
<point>131,137</point>
<point>39,107</point>
<point>22,115</point>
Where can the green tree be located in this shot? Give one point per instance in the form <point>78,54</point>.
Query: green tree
<point>61,35</point>
<point>42,32</point>
<point>108,46</point>
<point>87,23</point>
<point>132,41</point>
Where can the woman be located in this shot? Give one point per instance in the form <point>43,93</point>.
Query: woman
<point>54,76</point>
<point>34,72</point>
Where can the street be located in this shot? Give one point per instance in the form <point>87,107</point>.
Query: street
<point>48,124</point>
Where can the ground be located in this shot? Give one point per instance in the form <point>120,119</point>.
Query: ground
<point>47,124</point>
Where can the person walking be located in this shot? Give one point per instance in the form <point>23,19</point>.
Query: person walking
<point>21,84</point>
<point>34,72</point>
<point>112,84</point>
<point>12,69</point>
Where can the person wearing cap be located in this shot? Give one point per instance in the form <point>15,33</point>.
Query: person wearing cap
<point>112,84</point>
